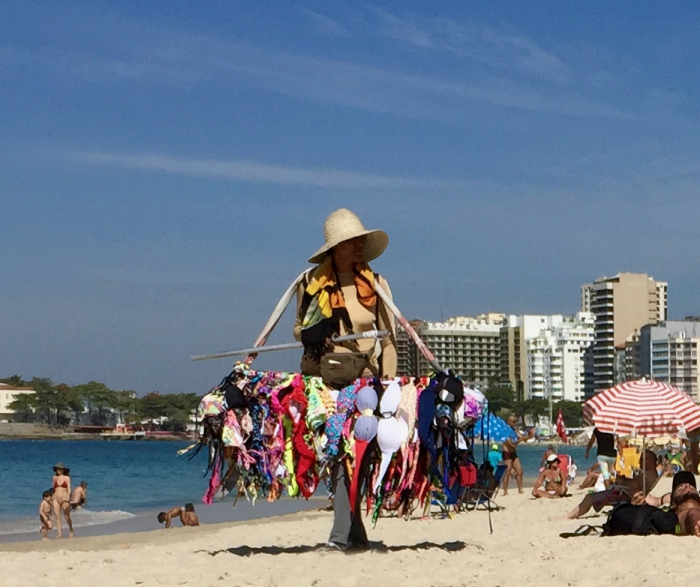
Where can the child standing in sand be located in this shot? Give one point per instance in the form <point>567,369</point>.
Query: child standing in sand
<point>45,511</point>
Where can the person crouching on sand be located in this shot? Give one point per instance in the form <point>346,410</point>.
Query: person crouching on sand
<point>79,496</point>
<point>185,513</point>
<point>551,482</point>
<point>45,512</point>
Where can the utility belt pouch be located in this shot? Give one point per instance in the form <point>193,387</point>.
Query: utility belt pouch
<point>343,368</point>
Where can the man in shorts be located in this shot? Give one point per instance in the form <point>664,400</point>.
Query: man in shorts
<point>606,452</point>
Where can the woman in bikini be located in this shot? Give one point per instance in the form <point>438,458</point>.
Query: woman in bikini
<point>551,482</point>
<point>61,498</point>
<point>510,456</point>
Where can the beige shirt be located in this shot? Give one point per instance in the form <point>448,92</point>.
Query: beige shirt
<point>363,319</point>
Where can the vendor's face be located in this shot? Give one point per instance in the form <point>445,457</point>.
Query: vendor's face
<point>352,251</point>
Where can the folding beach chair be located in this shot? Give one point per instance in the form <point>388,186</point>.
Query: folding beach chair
<point>450,500</point>
<point>481,498</point>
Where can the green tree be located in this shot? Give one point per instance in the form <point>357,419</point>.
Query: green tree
<point>179,408</point>
<point>127,405</point>
<point>98,398</point>
<point>23,406</point>
<point>152,406</point>
<point>14,381</point>
<point>46,399</point>
<point>572,412</point>
<point>500,397</point>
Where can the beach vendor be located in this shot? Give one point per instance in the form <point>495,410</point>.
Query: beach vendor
<point>338,297</point>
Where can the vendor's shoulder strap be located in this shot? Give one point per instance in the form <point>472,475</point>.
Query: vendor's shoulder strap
<point>274,318</point>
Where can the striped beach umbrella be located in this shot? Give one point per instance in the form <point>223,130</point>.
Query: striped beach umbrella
<point>645,407</point>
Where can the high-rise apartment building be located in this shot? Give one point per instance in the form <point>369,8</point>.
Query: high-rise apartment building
<point>668,352</point>
<point>408,356</point>
<point>469,346</point>
<point>547,356</point>
<point>620,304</point>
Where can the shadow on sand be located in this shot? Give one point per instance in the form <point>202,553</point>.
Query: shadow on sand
<point>378,547</point>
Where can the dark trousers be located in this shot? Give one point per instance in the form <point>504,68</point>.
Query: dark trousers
<point>348,529</point>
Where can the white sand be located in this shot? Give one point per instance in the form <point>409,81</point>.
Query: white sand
<point>525,549</point>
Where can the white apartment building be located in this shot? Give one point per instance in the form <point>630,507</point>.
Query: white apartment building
<point>668,352</point>
<point>467,345</point>
<point>558,359</point>
<point>515,334</point>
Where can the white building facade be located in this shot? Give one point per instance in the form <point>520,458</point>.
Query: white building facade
<point>8,394</point>
<point>559,359</point>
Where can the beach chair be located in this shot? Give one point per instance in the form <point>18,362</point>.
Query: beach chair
<point>567,467</point>
<point>480,498</point>
<point>450,500</point>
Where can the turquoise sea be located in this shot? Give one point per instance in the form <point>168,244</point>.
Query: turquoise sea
<point>127,479</point>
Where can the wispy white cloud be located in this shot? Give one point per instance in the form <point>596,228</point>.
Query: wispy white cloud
<point>249,171</point>
<point>505,50</point>
<point>186,60</point>
<point>326,25</point>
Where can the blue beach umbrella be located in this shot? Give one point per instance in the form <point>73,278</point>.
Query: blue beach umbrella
<point>491,427</point>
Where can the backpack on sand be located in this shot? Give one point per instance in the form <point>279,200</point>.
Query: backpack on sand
<point>640,520</point>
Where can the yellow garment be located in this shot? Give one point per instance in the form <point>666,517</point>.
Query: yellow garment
<point>363,319</point>
<point>291,480</point>
<point>627,462</point>
<point>327,296</point>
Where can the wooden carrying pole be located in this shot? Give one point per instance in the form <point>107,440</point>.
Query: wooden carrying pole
<point>288,345</point>
<point>281,306</point>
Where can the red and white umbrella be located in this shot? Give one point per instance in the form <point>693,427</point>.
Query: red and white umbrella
<point>645,407</point>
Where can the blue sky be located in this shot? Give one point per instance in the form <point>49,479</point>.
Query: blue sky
<point>166,167</point>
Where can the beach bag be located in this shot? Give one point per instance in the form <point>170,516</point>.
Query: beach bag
<point>640,520</point>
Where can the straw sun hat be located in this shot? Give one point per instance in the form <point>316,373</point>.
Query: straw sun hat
<point>60,467</point>
<point>343,225</point>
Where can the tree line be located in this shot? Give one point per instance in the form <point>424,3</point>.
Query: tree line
<point>94,403</point>
<point>502,401</point>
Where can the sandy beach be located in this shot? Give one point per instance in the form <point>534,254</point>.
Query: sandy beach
<point>525,548</point>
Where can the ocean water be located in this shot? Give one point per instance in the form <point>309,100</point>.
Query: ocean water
<point>124,478</point>
<point>131,478</point>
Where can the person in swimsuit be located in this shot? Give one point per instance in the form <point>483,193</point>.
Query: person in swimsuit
<point>624,491</point>
<point>79,496</point>
<point>510,456</point>
<point>61,498</point>
<point>551,483</point>
<point>185,513</point>
<point>45,513</point>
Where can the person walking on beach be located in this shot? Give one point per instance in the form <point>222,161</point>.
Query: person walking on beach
<point>61,498</point>
<point>606,455</point>
<point>79,496</point>
<point>338,297</point>
<point>510,455</point>
<point>45,513</point>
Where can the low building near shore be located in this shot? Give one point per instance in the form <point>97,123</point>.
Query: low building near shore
<point>8,394</point>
